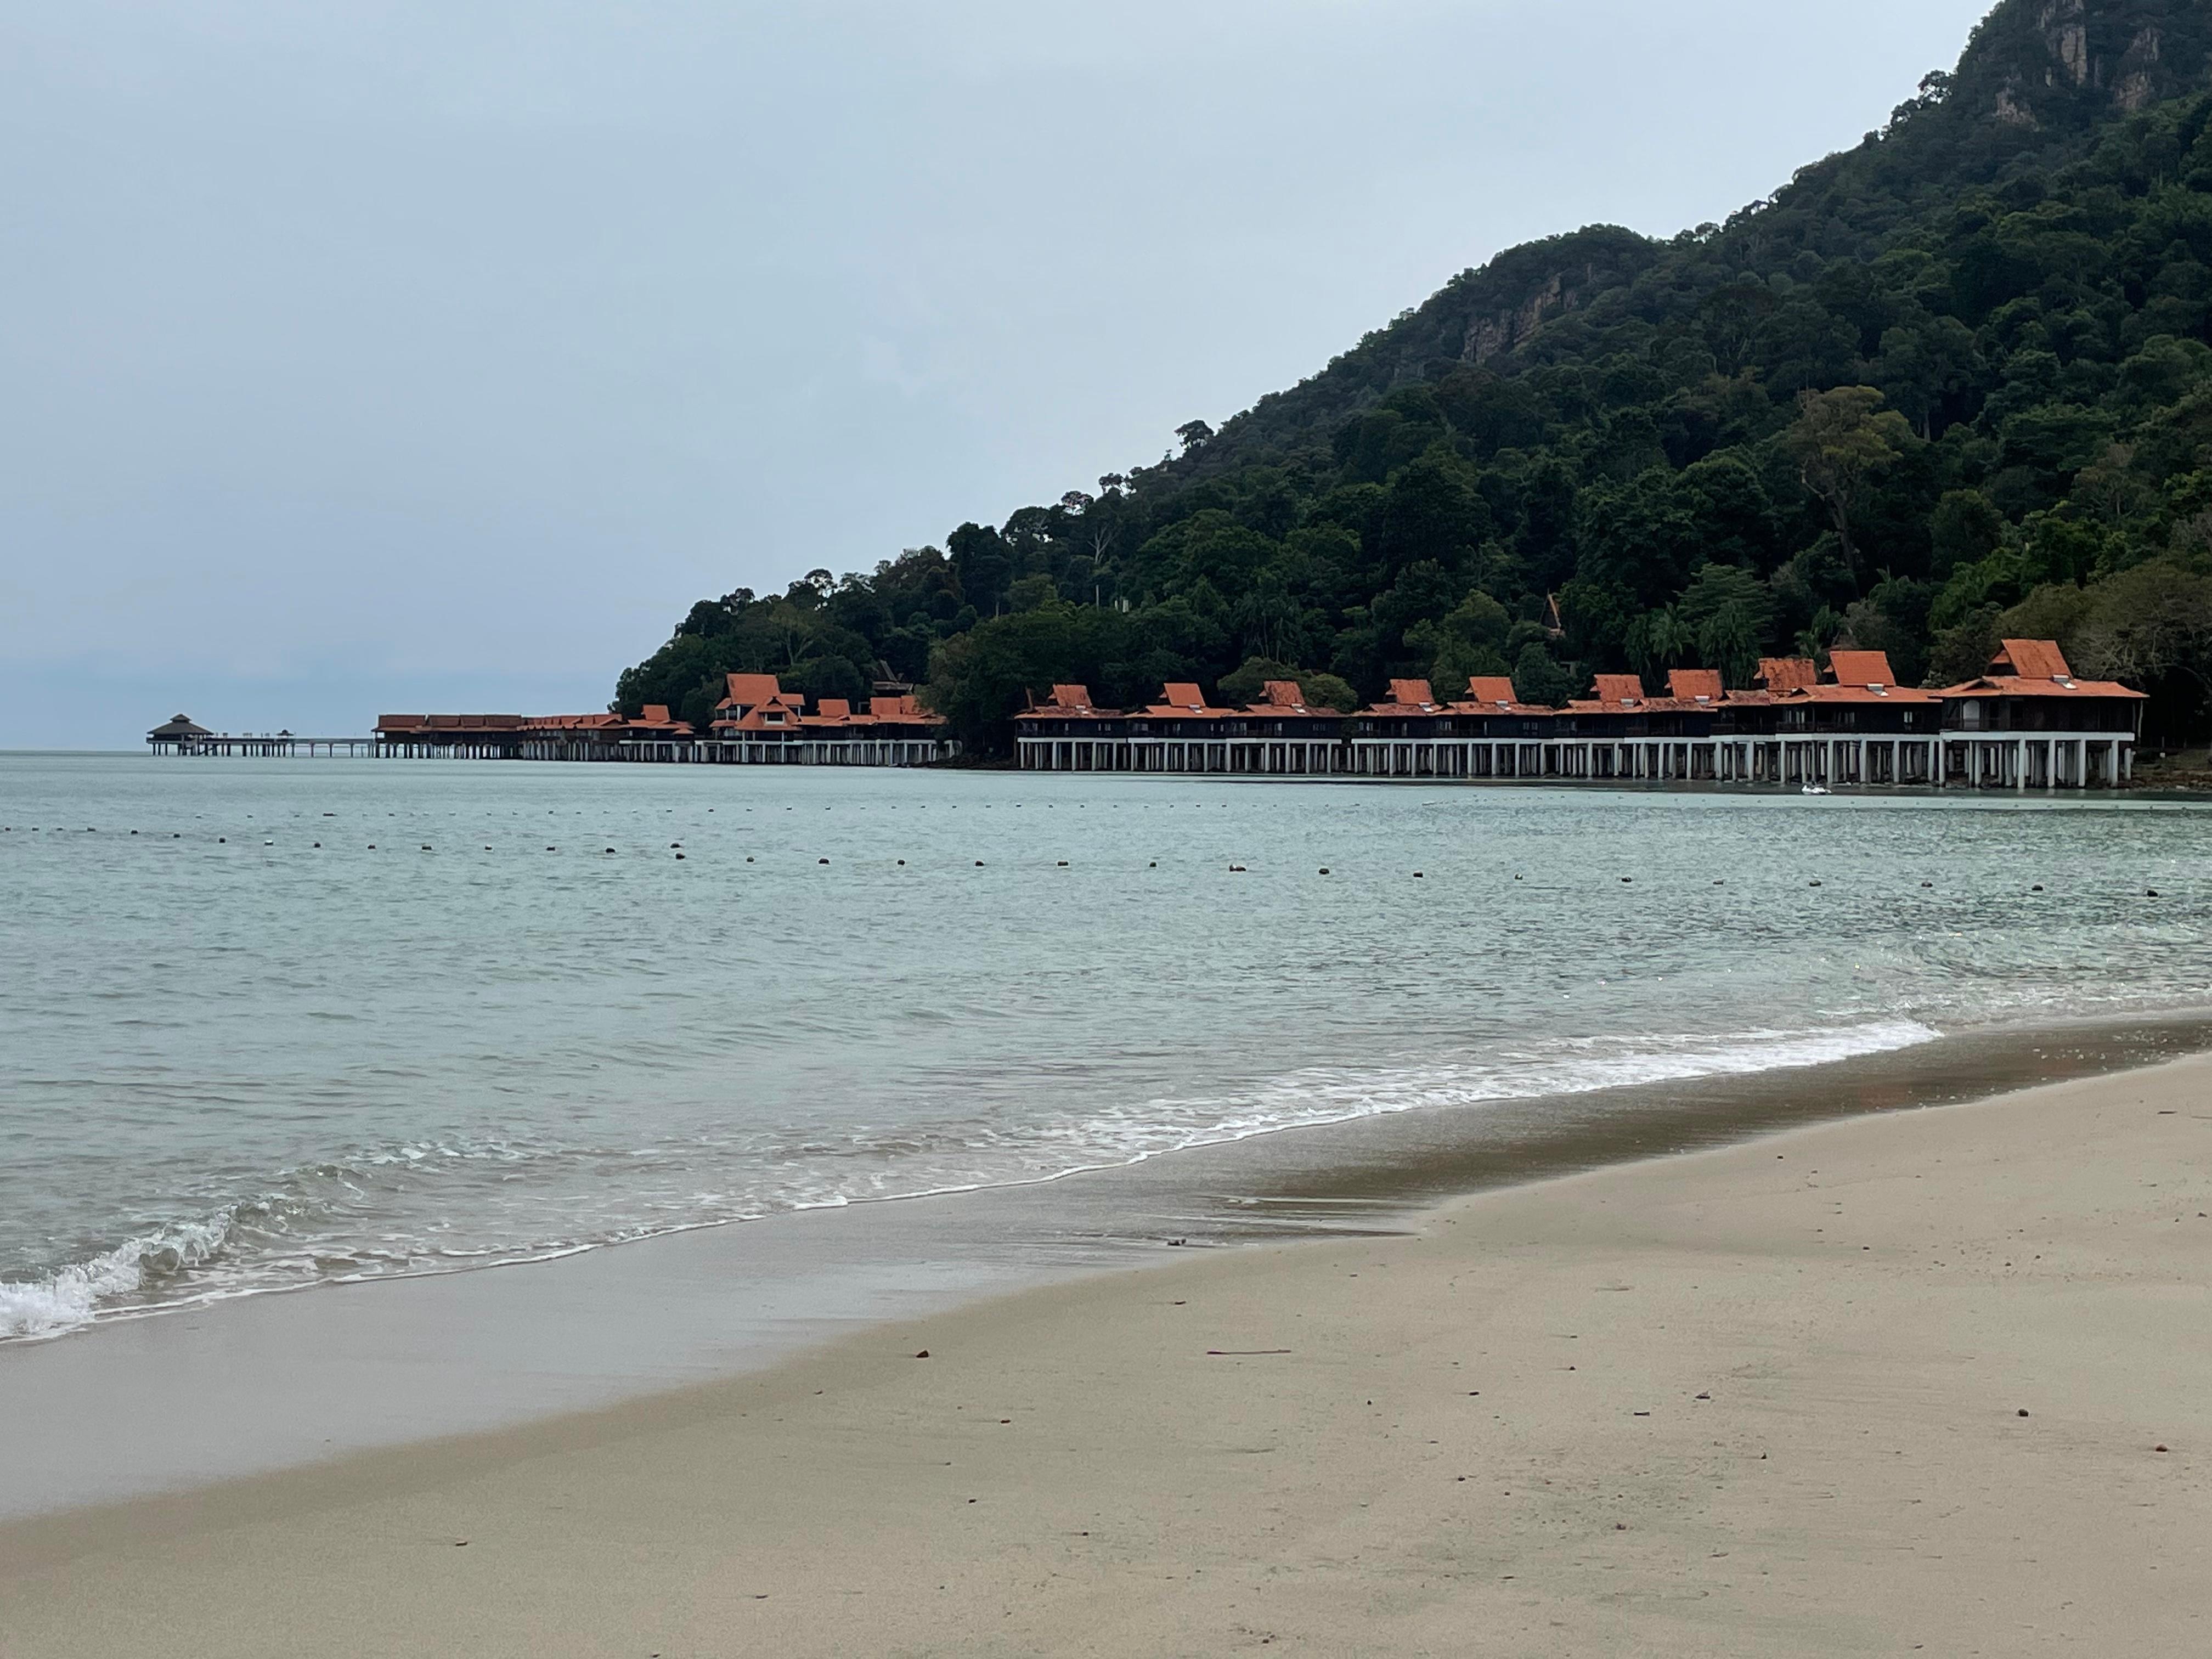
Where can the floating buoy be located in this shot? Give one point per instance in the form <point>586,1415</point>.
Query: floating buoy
<point>979,864</point>
<point>1063,864</point>
<point>426,847</point>
<point>610,849</point>
<point>1812,883</point>
<point>1324,870</point>
<point>1927,883</point>
<point>2036,888</point>
<point>748,860</point>
<point>679,858</point>
<point>821,860</point>
<point>902,863</point>
<point>219,839</point>
<point>135,832</point>
<point>2150,892</point>
<point>552,849</point>
<point>1154,865</point>
<point>1417,876</point>
<point>1626,880</point>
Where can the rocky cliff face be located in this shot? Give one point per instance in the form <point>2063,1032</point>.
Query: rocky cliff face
<point>2051,65</point>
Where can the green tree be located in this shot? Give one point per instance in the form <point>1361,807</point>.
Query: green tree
<point>1538,679</point>
<point>1841,441</point>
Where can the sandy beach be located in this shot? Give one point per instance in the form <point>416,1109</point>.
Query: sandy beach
<point>1931,1381</point>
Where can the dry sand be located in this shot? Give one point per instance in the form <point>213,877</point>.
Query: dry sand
<point>1767,1401</point>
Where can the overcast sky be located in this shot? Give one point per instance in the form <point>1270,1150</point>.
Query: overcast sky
<point>375,356</point>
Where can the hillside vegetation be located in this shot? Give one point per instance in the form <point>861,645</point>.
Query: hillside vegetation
<point>1951,385</point>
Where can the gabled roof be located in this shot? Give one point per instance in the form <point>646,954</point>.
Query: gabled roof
<point>754,691</point>
<point>1069,702</point>
<point>1786,674</point>
<point>1408,697</point>
<point>2032,659</point>
<point>1493,694</point>
<point>902,709</point>
<point>1619,691</point>
<point>1288,697</point>
<point>1867,668</point>
<point>1186,699</point>
<point>2008,678</point>
<point>1695,685</point>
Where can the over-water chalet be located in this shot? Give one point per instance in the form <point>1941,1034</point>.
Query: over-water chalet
<point>756,723</point>
<point>2027,723</point>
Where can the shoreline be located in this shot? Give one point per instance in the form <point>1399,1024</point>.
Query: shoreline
<point>191,1398</point>
<point>1132,1462</point>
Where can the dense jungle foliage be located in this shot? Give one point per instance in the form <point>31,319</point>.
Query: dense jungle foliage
<point>1952,384</point>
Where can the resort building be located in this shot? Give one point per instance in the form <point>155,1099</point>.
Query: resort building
<point>2026,724</point>
<point>2029,723</point>
<point>757,722</point>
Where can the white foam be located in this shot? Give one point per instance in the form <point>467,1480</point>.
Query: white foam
<point>711,1182</point>
<point>75,1295</point>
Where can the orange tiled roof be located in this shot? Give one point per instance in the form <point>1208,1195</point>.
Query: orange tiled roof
<point>1695,685</point>
<point>903,710</point>
<point>1787,673</point>
<point>1287,697</point>
<point>757,691</point>
<point>1069,702</point>
<point>1184,700</point>
<point>2009,676</point>
<point>1493,694</point>
<point>2032,659</point>
<point>1408,697</point>
<point>1861,668</point>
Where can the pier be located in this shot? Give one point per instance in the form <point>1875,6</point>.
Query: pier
<point>179,735</point>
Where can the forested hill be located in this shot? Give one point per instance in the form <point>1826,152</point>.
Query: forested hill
<point>1952,384</point>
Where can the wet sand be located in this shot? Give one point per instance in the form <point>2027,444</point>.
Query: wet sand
<point>1765,1398</point>
<point>248,1387</point>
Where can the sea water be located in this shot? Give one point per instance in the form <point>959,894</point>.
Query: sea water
<point>265,1024</point>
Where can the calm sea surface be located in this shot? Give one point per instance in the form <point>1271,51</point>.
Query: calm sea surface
<point>267,1024</point>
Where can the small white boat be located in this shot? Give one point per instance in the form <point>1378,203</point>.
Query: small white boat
<point>1816,789</point>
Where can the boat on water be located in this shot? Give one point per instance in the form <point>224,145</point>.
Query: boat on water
<point>1816,789</point>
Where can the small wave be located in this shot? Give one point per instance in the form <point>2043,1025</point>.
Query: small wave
<point>308,1225</point>
<point>76,1294</point>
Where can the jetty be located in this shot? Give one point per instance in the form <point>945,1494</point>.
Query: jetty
<point>181,735</point>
